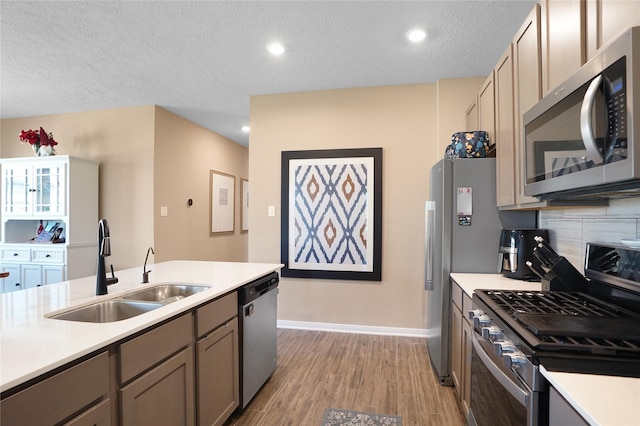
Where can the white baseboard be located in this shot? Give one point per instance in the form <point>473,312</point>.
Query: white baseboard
<point>351,328</point>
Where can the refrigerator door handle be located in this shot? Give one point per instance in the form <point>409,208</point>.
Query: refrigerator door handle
<point>429,223</point>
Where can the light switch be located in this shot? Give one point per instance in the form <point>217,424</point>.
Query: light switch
<point>163,211</point>
<point>272,211</point>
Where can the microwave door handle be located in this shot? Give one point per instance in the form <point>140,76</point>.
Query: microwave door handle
<point>586,127</point>
<point>429,223</point>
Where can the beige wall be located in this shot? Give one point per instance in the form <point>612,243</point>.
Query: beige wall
<point>404,121</point>
<point>185,153</point>
<point>148,158</point>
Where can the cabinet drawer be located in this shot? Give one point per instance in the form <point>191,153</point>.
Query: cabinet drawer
<point>147,350</point>
<point>47,256</point>
<point>60,396</point>
<point>466,306</point>
<point>456,294</point>
<point>15,254</point>
<point>216,313</point>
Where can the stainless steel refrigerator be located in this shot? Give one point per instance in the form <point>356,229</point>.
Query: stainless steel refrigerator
<point>462,232</point>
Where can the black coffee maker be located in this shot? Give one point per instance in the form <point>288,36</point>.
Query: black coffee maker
<point>516,248</point>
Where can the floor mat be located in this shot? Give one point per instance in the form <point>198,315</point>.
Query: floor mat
<point>339,417</point>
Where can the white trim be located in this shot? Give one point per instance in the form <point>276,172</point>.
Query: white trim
<point>351,328</point>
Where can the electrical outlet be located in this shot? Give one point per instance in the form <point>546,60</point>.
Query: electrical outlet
<point>163,211</point>
<point>272,211</point>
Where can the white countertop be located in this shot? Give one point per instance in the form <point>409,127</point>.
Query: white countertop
<point>600,400</point>
<point>471,282</point>
<point>31,344</point>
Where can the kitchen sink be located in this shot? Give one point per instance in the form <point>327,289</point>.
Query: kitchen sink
<point>107,311</point>
<point>165,293</point>
<point>130,304</point>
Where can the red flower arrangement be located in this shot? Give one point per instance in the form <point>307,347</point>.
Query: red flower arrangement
<point>38,139</point>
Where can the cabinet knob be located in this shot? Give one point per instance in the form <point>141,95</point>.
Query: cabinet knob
<point>15,254</point>
<point>48,255</point>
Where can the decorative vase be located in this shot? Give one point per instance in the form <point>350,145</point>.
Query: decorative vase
<point>45,151</point>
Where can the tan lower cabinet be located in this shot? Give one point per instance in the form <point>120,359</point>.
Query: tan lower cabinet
<point>71,396</point>
<point>153,378</point>
<point>217,360</point>
<point>461,330</point>
<point>218,381</point>
<point>98,415</point>
<point>162,396</point>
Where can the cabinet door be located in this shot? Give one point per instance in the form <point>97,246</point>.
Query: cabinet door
<point>162,396</point>
<point>505,134</point>
<point>456,348</point>
<point>52,274</point>
<point>527,73</point>
<point>99,415</point>
<point>472,115</point>
<point>606,19</point>
<point>14,281</point>
<point>218,374</point>
<point>16,190</point>
<point>31,275</point>
<point>563,40</point>
<point>467,333</point>
<point>50,187</point>
<point>486,108</point>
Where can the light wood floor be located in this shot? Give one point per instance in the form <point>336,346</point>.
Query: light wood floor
<point>381,374</point>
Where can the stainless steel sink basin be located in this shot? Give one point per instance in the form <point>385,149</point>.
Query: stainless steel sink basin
<point>107,311</point>
<point>165,293</point>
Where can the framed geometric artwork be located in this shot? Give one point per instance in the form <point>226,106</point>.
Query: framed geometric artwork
<point>222,206</point>
<point>332,214</point>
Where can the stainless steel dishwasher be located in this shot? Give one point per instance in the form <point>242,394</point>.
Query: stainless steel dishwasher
<point>258,304</point>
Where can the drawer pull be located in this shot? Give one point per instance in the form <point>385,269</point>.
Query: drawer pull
<point>48,255</point>
<point>15,254</point>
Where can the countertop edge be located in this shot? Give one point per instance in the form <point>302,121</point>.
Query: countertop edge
<point>116,331</point>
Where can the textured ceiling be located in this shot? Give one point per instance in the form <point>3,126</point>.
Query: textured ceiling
<point>202,60</point>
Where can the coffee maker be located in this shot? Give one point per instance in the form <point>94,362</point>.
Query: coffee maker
<point>516,248</point>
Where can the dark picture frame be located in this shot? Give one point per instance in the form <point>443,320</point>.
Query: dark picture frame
<point>331,223</point>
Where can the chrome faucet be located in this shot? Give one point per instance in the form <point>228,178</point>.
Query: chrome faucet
<point>104,250</point>
<point>145,273</point>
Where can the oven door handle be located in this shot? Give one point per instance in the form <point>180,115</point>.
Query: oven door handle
<point>514,390</point>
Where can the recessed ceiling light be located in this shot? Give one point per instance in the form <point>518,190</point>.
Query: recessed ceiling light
<point>246,129</point>
<point>275,48</point>
<point>416,35</point>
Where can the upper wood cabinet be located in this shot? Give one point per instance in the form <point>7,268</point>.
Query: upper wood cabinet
<point>606,19</point>
<point>527,71</point>
<point>471,118</point>
<point>505,134</point>
<point>486,108</point>
<point>563,38</point>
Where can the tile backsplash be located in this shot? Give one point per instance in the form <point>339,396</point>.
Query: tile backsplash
<point>571,229</point>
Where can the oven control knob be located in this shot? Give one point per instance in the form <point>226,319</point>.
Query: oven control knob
<point>481,321</point>
<point>491,333</point>
<point>474,313</point>
<point>514,359</point>
<point>504,347</point>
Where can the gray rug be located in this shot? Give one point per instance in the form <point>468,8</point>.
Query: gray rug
<point>338,417</point>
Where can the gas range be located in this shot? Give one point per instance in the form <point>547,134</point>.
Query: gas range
<point>564,331</point>
<point>581,324</point>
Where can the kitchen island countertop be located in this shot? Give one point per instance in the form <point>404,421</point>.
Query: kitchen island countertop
<point>31,344</point>
<point>600,400</point>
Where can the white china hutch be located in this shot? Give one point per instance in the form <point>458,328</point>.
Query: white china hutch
<point>49,219</point>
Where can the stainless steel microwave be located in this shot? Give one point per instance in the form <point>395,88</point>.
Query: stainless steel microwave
<point>579,139</point>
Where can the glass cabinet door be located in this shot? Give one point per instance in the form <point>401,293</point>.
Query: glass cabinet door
<point>16,190</point>
<point>49,183</point>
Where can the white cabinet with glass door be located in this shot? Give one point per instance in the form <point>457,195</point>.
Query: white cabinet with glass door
<point>34,188</point>
<point>49,220</point>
